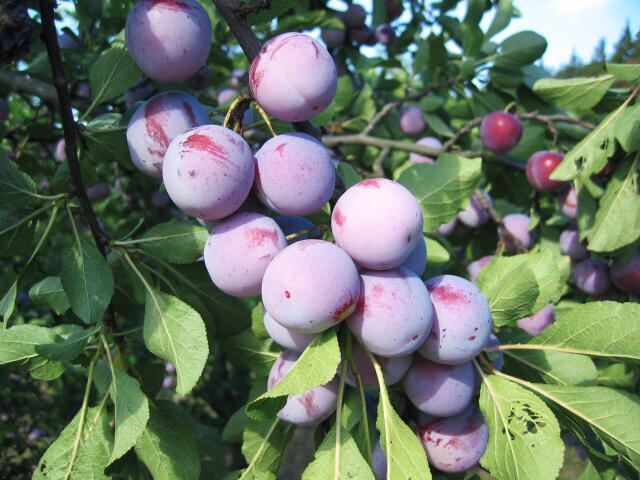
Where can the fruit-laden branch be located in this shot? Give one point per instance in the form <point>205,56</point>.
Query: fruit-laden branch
<point>251,47</point>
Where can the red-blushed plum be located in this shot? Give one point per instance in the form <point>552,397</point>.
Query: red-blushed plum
<point>283,336</point>
<point>385,34</point>
<point>333,37</point>
<point>378,222</point>
<point>168,39</point>
<point>294,174</point>
<point>355,16</point>
<point>539,168</point>
<point>238,251</point>
<point>394,314</point>
<point>156,123</point>
<point>626,275</point>
<point>412,121</point>
<point>462,321</point>
<point>448,228</point>
<point>440,390</point>
<point>379,462</point>
<point>293,77</point>
<point>474,215</point>
<point>537,322</point>
<point>455,444</point>
<point>60,152</point>
<point>307,408</point>
<point>292,224</point>
<point>591,276</point>
<point>393,369</point>
<point>518,225</point>
<point>310,286</point>
<point>496,359</point>
<point>432,142</point>
<point>225,95</point>
<point>474,267</point>
<point>500,132</point>
<point>417,259</point>
<point>568,202</point>
<point>571,245</point>
<point>208,171</point>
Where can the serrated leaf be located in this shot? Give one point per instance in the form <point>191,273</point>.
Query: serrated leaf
<point>49,291</point>
<point>176,333</point>
<point>17,189</point>
<point>67,349</point>
<point>174,241</point>
<point>18,343</point>
<point>627,72</point>
<point>575,94</point>
<point>442,188</point>
<point>258,354</point>
<point>556,367</point>
<point>87,279</point>
<point>263,444</point>
<point>520,49</point>
<point>316,366</point>
<point>524,435</point>
<point>113,72</point>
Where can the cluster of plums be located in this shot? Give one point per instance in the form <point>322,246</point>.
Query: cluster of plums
<point>356,31</point>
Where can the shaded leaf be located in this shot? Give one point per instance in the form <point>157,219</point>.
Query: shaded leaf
<point>49,291</point>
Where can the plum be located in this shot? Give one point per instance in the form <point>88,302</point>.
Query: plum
<point>67,42</point>
<point>292,224</point>
<point>379,462</point>
<point>385,34</point>
<point>285,337</point>
<point>311,286</point>
<point>540,167</point>
<point>156,123</point>
<point>474,267</point>
<point>98,191</point>
<point>169,382</point>
<point>394,9</point>
<point>417,259</point>
<point>239,78</point>
<point>394,314</point>
<point>626,275</point>
<point>225,95</point>
<point>591,276</point>
<point>518,225</point>
<point>293,77</point>
<point>462,321</point>
<point>238,251</point>
<point>362,35</point>
<point>333,37</point>
<point>440,390</point>
<point>294,174</point>
<point>496,359</point>
<point>169,40</point>
<point>60,152</point>
<point>537,322</point>
<point>432,142</point>
<point>138,92</point>
<point>474,215</point>
<point>208,171</point>
<point>307,408</point>
<point>201,79</point>
<point>169,367</point>
<point>355,16</point>
<point>393,369</point>
<point>378,222</point>
<point>455,444</point>
<point>412,121</point>
<point>568,202</point>
<point>448,228</point>
<point>500,132</point>
<point>570,244</point>
<point>159,200</point>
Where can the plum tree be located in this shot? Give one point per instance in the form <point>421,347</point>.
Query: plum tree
<point>417,259</point>
<point>378,222</point>
<point>307,408</point>
<point>238,251</point>
<point>169,40</point>
<point>568,202</point>
<point>536,323</point>
<point>311,286</point>
<point>500,132</point>
<point>455,444</point>
<point>285,337</point>
<point>517,224</point>
<point>394,314</point>
<point>428,142</point>
<point>385,34</point>
<point>626,274</point>
<point>156,123</point>
<point>411,121</point>
<point>293,77</point>
<point>208,171</point>
<point>462,320</point>
<point>293,224</point>
<point>474,267</point>
<point>294,174</point>
<point>591,276</point>
<point>571,245</point>
<point>393,369</point>
<point>440,390</point>
<point>539,168</point>
<point>474,215</point>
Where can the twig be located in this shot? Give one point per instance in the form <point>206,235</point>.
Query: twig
<point>377,167</point>
<point>556,118</point>
<point>463,131</point>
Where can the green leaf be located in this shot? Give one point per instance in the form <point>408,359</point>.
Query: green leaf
<point>67,349</point>
<point>87,280</point>
<point>556,367</point>
<point>131,413</point>
<point>524,435</point>
<point>627,128</point>
<point>168,448</point>
<point>349,174</point>
<point>520,49</point>
<point>442,188</point>
<point>437,255</point>
<point>174,241</point>
<point>276,8</point>
<point>308,21</point>
<point>504,13</point>
<point>316,366</point>
<point>627,72</point>
<point>93,452</point>
<point>49,291</point>
<point>113,72</point>
<point>8,301</point>
<point>106,141</point>
<point>352,464</point>
<point>263,444</point>
<point>176,333</point>
<point>258,354</point>
<point>575,94</point>
<point>617,375</point>
<point>617,221</point>
<point>17,189</point>
<point>19,342</point>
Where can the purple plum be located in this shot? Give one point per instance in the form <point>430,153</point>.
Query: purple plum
<point>432,142</point>
<point>537,322</point>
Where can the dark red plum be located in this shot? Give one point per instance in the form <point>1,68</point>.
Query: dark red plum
<point>310,286</point>
<point>394,9</point>
<point>626,275</point>
<point>432,142</point>
<point>307,408</point>
<point>208,171</point>
<point>537,322</point>
<point>455,444</point>
<point>568,202</point>
<point>571,245</point>
<point>518,225</point>
<point>355,16</point>
<point>394,314</point>
<point>393,369</point>
<point>169,40</point>
<point>417,259</point>
<point>474,215</point>
<point>156,123</point>
<point>474,267</point>
<point>294,174</point>
<point>462,321</point>
<point>283,336</point>
<point>292,224</point>
<point>378,222</point>
<point>412,121</point>
<point>591,276</point>
<point>293,77</point>
<point>540,167</point>
<point>385,34</point>
<point>500,132</point>
<point>333,37</point>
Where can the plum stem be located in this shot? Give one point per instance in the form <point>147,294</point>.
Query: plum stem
<point>265,117</point>
<point>363,402</point>
<point>317,228</point>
